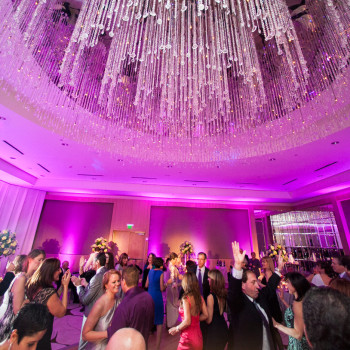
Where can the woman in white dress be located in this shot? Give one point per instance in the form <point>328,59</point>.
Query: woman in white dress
<point>322,276</point>
<point>100,317</point>
<point>15,294</point>
<point>172,277</point>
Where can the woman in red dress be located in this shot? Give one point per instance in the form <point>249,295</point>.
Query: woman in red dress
<point>192,310</point>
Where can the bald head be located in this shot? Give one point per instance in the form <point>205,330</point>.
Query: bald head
<point>127,339</point>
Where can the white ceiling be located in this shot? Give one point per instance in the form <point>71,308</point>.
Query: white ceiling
<point>74,168</point>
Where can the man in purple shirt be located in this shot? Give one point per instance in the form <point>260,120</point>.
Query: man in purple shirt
<point>136,309</point>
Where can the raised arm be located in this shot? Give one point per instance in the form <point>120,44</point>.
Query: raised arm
<point>57,307</point>
<point>235,294</point>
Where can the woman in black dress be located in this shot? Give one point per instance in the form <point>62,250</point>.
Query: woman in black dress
<point>40,290</point>
<point>217,330</point>
<point>148,266</point>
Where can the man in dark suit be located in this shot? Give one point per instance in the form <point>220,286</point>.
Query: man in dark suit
<point>251,326</point>
<point>90,292</point>
<point>202,275</point>
<point>340,265</point>
<point>71,286</point>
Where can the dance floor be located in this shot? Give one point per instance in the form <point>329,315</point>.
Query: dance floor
<point>66,332</point>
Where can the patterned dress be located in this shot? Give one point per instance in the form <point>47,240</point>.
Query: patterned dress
<point>172,295</point>
<point>293,343</point>
<point>6,311</point>
<point>41,298</point>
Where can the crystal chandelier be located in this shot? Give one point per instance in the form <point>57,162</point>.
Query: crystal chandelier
<point>187,78</point>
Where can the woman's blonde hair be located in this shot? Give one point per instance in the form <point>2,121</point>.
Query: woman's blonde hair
<point>270,263</point>
<point>107,275</point>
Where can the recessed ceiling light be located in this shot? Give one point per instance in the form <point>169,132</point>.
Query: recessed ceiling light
<point>272,159</point>
<point>335,142</point>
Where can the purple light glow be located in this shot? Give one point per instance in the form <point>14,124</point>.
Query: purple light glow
<point>210,230</point>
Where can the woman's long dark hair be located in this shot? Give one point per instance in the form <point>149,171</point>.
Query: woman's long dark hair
<point>42,277</point>
<point>191,288</point>
<point>122,256</point>
<point>217,284</point>
<point>299,282</point>
<point>110,264</point>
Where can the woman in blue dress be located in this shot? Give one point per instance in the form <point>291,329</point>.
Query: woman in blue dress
<point>155,285</point>
<point>297,285</point>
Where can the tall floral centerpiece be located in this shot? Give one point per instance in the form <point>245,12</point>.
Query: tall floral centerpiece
<point>8,243</point>
<point>100,245</point>
<point>274,251</point>
<point>186,249</point>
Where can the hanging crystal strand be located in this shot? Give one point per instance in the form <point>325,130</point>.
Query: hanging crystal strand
<point>248,20</point>
<point>97,23</point>
<point>240,14</point>
<point>110,13</point>
<point>253,14</point>
<point>70,57</point>
<point>117,14</point>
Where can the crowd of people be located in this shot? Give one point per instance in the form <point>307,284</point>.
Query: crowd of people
<point>123,304</point>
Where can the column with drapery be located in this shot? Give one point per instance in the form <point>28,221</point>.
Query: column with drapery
<point>20,210</point>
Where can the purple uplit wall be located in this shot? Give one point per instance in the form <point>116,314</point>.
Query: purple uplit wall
<point>210,230</point>
<point>68,229</point>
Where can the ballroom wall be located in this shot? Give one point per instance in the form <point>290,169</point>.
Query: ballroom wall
<point>67,229</point>
<point>20,209</point>
<point>60,221</point>
<point>210,230</point>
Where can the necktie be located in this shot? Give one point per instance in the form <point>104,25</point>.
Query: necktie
<point>265,324</point>
<point>200,281</point>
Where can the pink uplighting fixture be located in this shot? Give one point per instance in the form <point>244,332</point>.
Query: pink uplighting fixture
<point>173,80</point>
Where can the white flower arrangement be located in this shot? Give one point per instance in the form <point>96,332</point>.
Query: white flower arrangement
<point>8,243</point>
<point>186,248</point>
<point>100,245</point>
